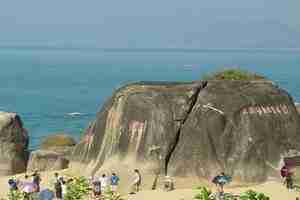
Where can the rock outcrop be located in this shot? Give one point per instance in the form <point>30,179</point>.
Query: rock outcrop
<point>54,153</point>
<point>13,144</point>
<point>60,143</point>
<point>43,160</point>
<point>194,129</point>
<point>298,107</point>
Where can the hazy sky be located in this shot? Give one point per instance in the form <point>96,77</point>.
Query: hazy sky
<point>152,23</point>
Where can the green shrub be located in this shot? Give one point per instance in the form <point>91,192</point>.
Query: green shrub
<point>78,189</point>
<point>252,195</point>
<point>204,194</point>
<point>233,74</point>
<point>15,195</point>
<point>109,195</point>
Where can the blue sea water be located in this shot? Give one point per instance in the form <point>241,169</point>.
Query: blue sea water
<point>45,86</point>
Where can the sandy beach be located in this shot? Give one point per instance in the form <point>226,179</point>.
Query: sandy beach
<point>275,190</point>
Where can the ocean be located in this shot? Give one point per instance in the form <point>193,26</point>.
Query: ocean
<point>61,89</point>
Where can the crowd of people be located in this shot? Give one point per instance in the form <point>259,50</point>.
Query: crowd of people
<point>26,187</point>
<point>102,184</point>
<point>97,185</point>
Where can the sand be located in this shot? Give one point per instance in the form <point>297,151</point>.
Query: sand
<point>274,189</point>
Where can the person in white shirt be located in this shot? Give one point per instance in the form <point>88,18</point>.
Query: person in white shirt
<point>137,180</point>
<point>63,189</point>
<point>104,183</point>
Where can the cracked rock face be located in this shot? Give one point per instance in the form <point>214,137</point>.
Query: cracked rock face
<point>13,144</point>
<point>194,129</point>
<point>141,121</point>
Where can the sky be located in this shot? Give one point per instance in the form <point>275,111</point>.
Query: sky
<point>151,24</point>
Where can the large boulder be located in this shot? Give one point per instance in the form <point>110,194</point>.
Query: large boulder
<point>43,160</point>
<point>194,129</point>
<point>61,143</point>
<point>13,144</point>
<point>242,128</point>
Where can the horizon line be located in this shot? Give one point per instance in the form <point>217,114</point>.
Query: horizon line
<point>135,49</point>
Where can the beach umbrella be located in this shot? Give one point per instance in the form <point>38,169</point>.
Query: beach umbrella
<point>222,179</point>
<point>28,187</point>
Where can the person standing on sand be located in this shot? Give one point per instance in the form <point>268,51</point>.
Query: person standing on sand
<point>289,181</point>
<point>287,174</point>
<point>55,179</point>
<point>96,188</point>
<point>104,183</point>
<point>36,180</point>
<point>220,180</point>
<point>12,183</point>
<point>58,187</point>
<point>63,188</point>
<point>137,180</point>
<point>114,182</point>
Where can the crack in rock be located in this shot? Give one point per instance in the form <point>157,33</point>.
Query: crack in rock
<point>193,101</point>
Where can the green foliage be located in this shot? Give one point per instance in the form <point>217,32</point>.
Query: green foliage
<point>233,74</point>
<point>18,195</point>
<point>77,189</point>
<point>15,195</point>
<point>204,194</point>
<point>252,195</point>
<point>109,195</point>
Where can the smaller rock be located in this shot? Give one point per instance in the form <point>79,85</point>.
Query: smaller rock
<point>58,140</point>
<point>13,144</point>
<point>60,143</point>
<point>43,160</point>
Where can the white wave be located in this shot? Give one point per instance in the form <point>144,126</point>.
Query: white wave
<point>75,114</point>
<point>297,103</point>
